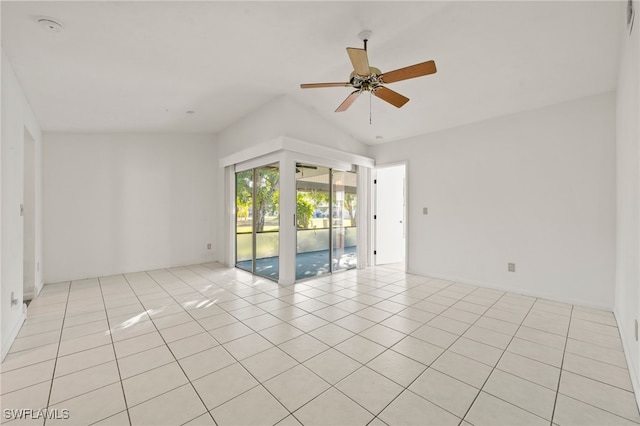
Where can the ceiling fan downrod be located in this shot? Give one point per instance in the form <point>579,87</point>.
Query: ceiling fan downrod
<point>365,35</point>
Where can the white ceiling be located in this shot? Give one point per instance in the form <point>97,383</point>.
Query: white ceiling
<point>139,66</point>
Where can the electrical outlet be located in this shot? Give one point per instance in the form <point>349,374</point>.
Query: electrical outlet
<point>209,246</point>
<point>425,210</point>
<point>511,267</point>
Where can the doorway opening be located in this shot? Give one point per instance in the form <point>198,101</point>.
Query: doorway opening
<point>27,209</point>
<point>390,215</point>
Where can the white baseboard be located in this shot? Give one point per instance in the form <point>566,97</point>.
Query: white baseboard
<point>633,373</point>
<point>524,292</point>
<point>30,295</point>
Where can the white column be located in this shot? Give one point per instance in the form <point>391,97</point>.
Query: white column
<point>287,219</point>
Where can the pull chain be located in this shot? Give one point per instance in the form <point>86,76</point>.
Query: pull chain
<point>370,95</point>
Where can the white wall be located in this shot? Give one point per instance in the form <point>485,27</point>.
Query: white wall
<point>628,198</point>
<point>261,125</point>
<point>285,117</point>
<point>535,188</point>
<point>16,118</point>
<point>118,203</point>
<point>301,122</point>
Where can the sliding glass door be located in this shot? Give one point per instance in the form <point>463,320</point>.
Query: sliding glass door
<point>244,220</point>
<point>267,227</point>
<point>325,220</point>
<point>313,220</point>
<point>258,221</point>
<point>344,227</point>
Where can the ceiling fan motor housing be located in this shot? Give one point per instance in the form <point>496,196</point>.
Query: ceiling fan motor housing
<point>367,83</point>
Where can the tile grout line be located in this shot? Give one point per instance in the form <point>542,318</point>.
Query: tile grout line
<point>436,316</point>
<point>368,283</point>
<point>406,335</point>
<point>113,348</point>
<point>260,383</point>
<point>589,378</point>
<point>406,388</point>
<point>564,351</point>
<point>498,361</point>
<point>447,349</point>
<point>55,364</point>
<point>331,386</point>
<point>168,347</point>
<point>361,365</point>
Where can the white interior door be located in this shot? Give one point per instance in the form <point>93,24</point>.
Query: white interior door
<point>390,215</point>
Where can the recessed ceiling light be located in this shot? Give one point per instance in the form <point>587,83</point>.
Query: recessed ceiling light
<point>50,25</point>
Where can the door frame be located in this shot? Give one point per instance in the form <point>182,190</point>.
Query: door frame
<point>374,228</point>
<point>28,218</point>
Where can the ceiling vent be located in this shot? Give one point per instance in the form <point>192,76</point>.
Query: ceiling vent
<point>50,25</point>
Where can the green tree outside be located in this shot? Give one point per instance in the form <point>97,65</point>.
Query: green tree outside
<point>304,210</point>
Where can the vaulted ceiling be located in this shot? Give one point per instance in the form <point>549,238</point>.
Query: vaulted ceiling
<point>140,66</point>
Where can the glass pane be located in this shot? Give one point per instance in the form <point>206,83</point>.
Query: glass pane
<point>267,208</point>
<point>313,221</point>
<point>244,220</point>
<point>345,203</point>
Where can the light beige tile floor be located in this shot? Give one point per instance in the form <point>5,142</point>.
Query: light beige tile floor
<point>209,345</point>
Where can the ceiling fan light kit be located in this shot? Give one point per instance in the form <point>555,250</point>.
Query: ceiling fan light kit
<point>366,78</point>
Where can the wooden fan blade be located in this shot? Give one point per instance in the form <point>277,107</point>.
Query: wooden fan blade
<point>413,71</point>
<point>317,85</point>
<point>347,102</point>
<point>394,98</point>
<point>359,60</point>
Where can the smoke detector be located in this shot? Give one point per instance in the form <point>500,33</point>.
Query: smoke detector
<point>50,25</point>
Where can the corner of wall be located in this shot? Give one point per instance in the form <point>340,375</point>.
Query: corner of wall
<point>627,274</point>
<point>302,122</point>
<point>16,116</point>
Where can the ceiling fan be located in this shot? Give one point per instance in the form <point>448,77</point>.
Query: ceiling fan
<point>365,78</point>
